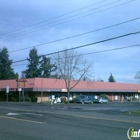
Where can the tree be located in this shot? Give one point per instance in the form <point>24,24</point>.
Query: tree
<point>100,80</point>
<point>137,76</point>
<point>33,66</point>
<point>46,67</point>
<point>6,71</point>
<point>70,66</point>
<point>111,78</point>
<point>16,75</point>
<point>39,65</point>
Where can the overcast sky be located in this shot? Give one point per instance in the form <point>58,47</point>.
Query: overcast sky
<point>28,23</point>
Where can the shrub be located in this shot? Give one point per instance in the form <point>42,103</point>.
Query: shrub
<point>104,96</point>
<point>26,99</point>
<point>34,99</point>
<point>63,100</point>
<point>21,99</point>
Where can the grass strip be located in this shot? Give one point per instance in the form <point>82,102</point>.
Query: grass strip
<point>133,112</point>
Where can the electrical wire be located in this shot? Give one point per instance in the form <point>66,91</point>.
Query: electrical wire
<point>77,35</point>
<point>81,46</point>
<point>12,36</point>
<point>54,17</point>
<point>102,51</point>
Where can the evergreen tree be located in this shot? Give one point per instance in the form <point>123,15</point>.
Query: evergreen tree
<point>6,72</point>
<point>111,78</point>
<point>34,64</point>
<point>16,75</point>
<point>46,67</point>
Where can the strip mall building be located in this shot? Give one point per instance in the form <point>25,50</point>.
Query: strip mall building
<point>44,88</point>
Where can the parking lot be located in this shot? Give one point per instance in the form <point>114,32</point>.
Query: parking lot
<point>111,108</point>
<point>41,121</point>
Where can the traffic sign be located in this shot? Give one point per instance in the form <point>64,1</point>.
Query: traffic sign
<point>7,89</point>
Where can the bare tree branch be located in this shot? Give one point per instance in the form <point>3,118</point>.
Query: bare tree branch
<point>137,76</point>
<point>71,65</point>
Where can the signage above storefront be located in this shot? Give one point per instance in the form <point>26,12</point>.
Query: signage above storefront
<point>64,90</point>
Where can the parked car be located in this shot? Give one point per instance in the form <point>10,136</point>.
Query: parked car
<point>81,99</point>
<point>90,100</point>
<point>101,100</point>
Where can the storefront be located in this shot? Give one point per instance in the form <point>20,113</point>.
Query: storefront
<point>45,89</point>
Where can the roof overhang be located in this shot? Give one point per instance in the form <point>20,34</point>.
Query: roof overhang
<point>73,90</point>
<point>105,90</point>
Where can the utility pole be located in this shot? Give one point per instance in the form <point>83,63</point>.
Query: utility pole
<point>42,90</point>
<point>19,89</point>
<point>7,91</point>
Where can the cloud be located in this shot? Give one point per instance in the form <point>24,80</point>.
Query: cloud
<point>18,14</point>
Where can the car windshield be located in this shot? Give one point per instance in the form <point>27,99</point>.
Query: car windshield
<point>81,96</point>
<point>91,97</point>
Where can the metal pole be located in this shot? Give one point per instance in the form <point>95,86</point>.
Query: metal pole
<point>23,94</point>
<point>19,96</point>
<point>51,99</point>
<point>18,89</point>
<point>7,91</point>
<point>6,97</point>
<point>42,90</point>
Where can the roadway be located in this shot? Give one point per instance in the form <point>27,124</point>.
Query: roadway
<point>39,121</point>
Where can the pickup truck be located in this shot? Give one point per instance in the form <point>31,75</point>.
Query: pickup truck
<point>84,99</point>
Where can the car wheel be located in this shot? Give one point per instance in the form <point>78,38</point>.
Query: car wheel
<point>91,102</point>
<point>82,102</point>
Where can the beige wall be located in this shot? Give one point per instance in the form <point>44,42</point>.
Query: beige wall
<point>44,97</point>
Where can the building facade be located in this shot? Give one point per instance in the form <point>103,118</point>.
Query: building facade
<point>45,88</point>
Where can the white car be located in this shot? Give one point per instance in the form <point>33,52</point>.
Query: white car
<point>101,100</point>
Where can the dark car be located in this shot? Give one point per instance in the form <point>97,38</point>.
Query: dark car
<point>101,100</point>
<point>90,100</point>
<point>81,99</point>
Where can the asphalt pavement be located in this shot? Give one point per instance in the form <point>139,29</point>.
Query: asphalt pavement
<point>42,121</point>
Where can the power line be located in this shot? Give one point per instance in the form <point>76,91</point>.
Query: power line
<point>12,36</point>
<point>78,34</point>
<point>107,50</point>
<point>55,17</point>
<point>96,42</point>
<point>102,51</point>
<point>81,46</point>
<point>86,11</point>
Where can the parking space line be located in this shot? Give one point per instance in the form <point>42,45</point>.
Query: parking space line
<point>13,118</point>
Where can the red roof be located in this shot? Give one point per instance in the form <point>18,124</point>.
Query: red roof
<point>38,84</point>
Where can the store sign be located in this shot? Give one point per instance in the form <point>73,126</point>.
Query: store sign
<point>7,89</point>
<point>21,84</point>
<point>19,89</point>
<point>63,90</point>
